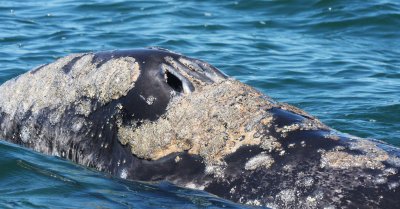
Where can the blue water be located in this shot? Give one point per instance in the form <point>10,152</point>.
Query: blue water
<point>338,60</point>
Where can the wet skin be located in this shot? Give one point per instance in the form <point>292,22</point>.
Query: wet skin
<point>313,166</point>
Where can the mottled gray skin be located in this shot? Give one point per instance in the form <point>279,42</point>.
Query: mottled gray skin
<point>313,166</point>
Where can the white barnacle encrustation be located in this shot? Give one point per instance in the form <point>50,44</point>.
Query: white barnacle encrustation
<point>230,114</point>
<point>287,196</point>
<point>77,126</point>
<point>25,134</point>
<point>111,80</point>
<point>393,185</point>
<point>150,100</point>
<point>259,161</point>
<point>371,156</point>
<point>124,173</point>
<point>254,202</point>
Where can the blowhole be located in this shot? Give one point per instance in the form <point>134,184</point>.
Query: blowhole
<point>173,81</point>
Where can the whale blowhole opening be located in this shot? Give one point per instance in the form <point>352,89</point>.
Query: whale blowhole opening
<point>173,81</point>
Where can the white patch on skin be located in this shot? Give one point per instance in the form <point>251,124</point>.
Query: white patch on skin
<point>192,185</point>
<point>150,100</point>
<point>259,161</point>
<point>233,189</point>
<point>303,143</point>
<point>380,180</point>
<point>215,170</point>
<point>306,124</point>
<point>76,127</point>
<point>372,156</point>
<point>287,196</point>
<point>393,185</point>
<point>25,134</point>
<point>308,181</point>
<point>177,159</point>
<point>390,171</point>
<point>305,182</point>
<point>253,202</point>
<point>124,173</point>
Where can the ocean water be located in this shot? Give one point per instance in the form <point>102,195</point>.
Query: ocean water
<point>338,60</point>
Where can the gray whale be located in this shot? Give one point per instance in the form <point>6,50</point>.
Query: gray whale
<point>155,115</point>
